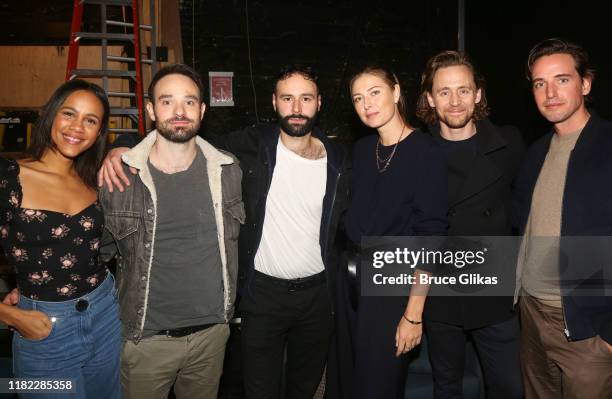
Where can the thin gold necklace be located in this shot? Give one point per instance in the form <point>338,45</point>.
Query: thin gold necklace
<point>383,164</point>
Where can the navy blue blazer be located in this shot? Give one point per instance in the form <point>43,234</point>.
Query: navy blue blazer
<point>586,211</point>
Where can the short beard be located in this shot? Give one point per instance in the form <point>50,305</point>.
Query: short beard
<point>454,123</point>
<point>180,135</point>
<point>297,130</point>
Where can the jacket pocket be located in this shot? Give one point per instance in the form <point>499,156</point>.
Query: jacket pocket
<point>233,217</point>
<point>122,223</point>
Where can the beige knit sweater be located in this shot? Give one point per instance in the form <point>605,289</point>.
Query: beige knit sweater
<point>540,276</point>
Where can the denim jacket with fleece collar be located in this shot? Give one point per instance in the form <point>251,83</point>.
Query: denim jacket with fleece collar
<point>130,224</point>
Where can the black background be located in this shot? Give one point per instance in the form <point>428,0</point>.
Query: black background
<point>338,37</point>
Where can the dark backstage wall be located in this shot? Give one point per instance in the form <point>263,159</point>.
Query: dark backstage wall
<point>253,38</point>
<point>335,37</point>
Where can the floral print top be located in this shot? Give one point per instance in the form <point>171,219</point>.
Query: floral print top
<point>55,255</point>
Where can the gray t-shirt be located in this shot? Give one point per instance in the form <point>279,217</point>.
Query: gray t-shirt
<point>186,286</point>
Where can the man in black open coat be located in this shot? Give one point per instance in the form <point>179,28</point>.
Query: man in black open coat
<point>482,161</point>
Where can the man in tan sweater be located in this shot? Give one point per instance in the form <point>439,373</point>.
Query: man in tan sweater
<point>562,191</point>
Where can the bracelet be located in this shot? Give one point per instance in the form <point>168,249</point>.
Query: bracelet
<point>412,321</point>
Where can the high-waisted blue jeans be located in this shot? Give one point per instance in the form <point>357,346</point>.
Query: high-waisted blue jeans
<point>83,345</point>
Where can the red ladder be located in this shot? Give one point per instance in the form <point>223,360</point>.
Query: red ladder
<point>135,112</point>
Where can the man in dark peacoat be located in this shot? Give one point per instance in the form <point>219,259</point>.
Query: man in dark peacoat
<point>483,160</point>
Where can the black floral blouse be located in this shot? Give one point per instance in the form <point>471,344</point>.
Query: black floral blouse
<point>55,255</point>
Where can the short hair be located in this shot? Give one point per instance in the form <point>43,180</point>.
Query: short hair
<point>443,60</point>
<point>89,161</point>
<point>391,80</point>
<point>306,72</point>
<point>560,46</point>
<point>176,69</point>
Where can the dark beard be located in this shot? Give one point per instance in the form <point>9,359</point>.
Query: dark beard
<point>181,135</point>
<point>297,130</point>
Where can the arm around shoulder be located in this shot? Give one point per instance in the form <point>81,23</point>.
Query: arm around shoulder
<point>126,140</point>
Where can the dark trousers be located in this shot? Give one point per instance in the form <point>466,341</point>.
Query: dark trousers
<point>378,373</point>
<point>498,350</point>
<point>278,319</point>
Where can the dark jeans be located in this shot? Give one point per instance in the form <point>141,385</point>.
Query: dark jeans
<point>498,350</point>
<point>299,321</point>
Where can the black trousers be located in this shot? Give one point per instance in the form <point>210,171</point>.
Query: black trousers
<point>498,350</point>
<point>278,319</point>
<point>378,373</point>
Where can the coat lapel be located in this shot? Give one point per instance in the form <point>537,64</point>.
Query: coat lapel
<point>483,172</point>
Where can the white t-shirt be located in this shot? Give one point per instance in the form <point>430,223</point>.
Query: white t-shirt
<point>289,246</point>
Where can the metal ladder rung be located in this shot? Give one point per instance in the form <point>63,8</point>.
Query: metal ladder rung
<point>102,36</point>
<point>127,24</point>
<point>103,72</point>
<point>122,130</point>
<point>124,111</point>
<point>123,94</point>
<point>127,59</point>
<point>120,94</point>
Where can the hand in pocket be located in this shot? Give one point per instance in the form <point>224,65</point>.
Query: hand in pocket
<point>33,325</point>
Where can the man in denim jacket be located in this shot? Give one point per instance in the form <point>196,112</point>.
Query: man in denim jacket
<point>174,234</point>
<point>296,188</point>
